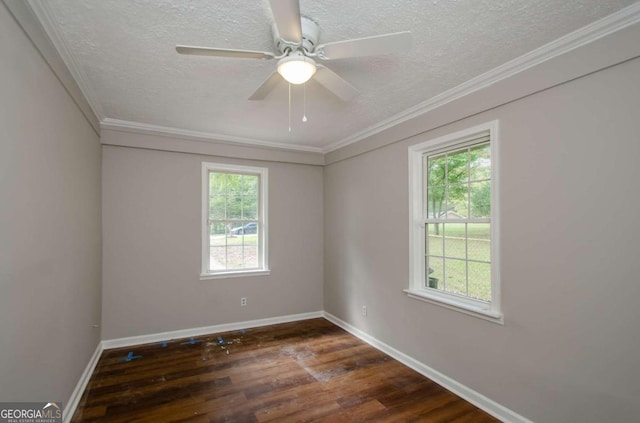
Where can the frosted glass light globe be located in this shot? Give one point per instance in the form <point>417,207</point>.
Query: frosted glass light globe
<point>297,69</point>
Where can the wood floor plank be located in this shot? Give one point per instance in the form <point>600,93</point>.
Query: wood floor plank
<point>294,372</point>
<point>358,413</point>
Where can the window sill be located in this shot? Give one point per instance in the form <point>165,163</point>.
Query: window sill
<point>459,306</point>
<point>238,274</point>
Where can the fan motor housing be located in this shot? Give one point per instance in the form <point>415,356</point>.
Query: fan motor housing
<point>310,36</point>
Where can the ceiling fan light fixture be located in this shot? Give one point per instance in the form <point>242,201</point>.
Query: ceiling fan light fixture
<point>297,69</point>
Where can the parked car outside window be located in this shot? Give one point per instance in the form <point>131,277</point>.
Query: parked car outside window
<point>249,228</point>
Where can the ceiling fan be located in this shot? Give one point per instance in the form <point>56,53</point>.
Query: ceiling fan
<point>296,37</point>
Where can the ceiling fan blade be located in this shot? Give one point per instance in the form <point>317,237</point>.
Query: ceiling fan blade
<point>266,87</point>
<point>223,52</point>
<point>334,83</point>
<point>286,13</point>
<point>369,46</point>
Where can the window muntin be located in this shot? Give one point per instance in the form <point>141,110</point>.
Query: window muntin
<point>453,230</point>
<point>234,220</point>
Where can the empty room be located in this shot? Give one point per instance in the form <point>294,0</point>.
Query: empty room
<point>319,211</point>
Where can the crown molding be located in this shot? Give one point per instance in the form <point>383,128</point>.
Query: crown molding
<point>145,128</point>
<point>580,37</point>
<point>44,15</point>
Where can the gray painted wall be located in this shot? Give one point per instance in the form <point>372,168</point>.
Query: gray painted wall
<point>50,240</point>
<point>569,264</point>
<point>151,221</point>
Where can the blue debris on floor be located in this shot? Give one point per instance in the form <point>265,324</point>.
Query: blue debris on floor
<point>129,357</point>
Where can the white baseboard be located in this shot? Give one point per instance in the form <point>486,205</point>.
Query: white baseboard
<point>474,397</point>
<point>74,399</point>
<point>206,330</point>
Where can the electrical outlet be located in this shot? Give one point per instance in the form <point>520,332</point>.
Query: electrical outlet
<point>364,310</point>
<point>243,301</point>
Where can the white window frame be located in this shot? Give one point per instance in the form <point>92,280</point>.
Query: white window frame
<point>489,311</point>
<point>263,221</point>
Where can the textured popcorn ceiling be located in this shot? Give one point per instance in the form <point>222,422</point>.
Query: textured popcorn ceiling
<point>126,52</point>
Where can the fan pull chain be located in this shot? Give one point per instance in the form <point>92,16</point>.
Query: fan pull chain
<point>289,107</point>
<point>304,104</point>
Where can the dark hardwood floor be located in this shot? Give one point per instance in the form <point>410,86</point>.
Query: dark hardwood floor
<point>293,372</point>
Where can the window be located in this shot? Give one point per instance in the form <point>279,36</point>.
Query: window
<point>234,220</point>
<point>453,190</point>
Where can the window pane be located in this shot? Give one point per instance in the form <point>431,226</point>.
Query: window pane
<point>217,258</point>
<point>242,246</point>
<point>249,207</point>
<point>457,202</point>
<point>454,240</point>
<point>235,257</point>
<point>436,170</point>
<point>435,202</point>
<point>480,280</point>
<point>434,239</point>
<point>234,184</point>
<point>479,242</point>
<point>456,276</point>
<point>457,170</point>
<point>234,207</point>
<point>217,183</point>
<point>250,243</point>
<point>217,233</point>
<point>218,246</point>
<point>480,162</point>
<point>234,236</point>
<point>480,199</point>
<point>250,185</point>
<point>434,277</point>
<point>217,207</point>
